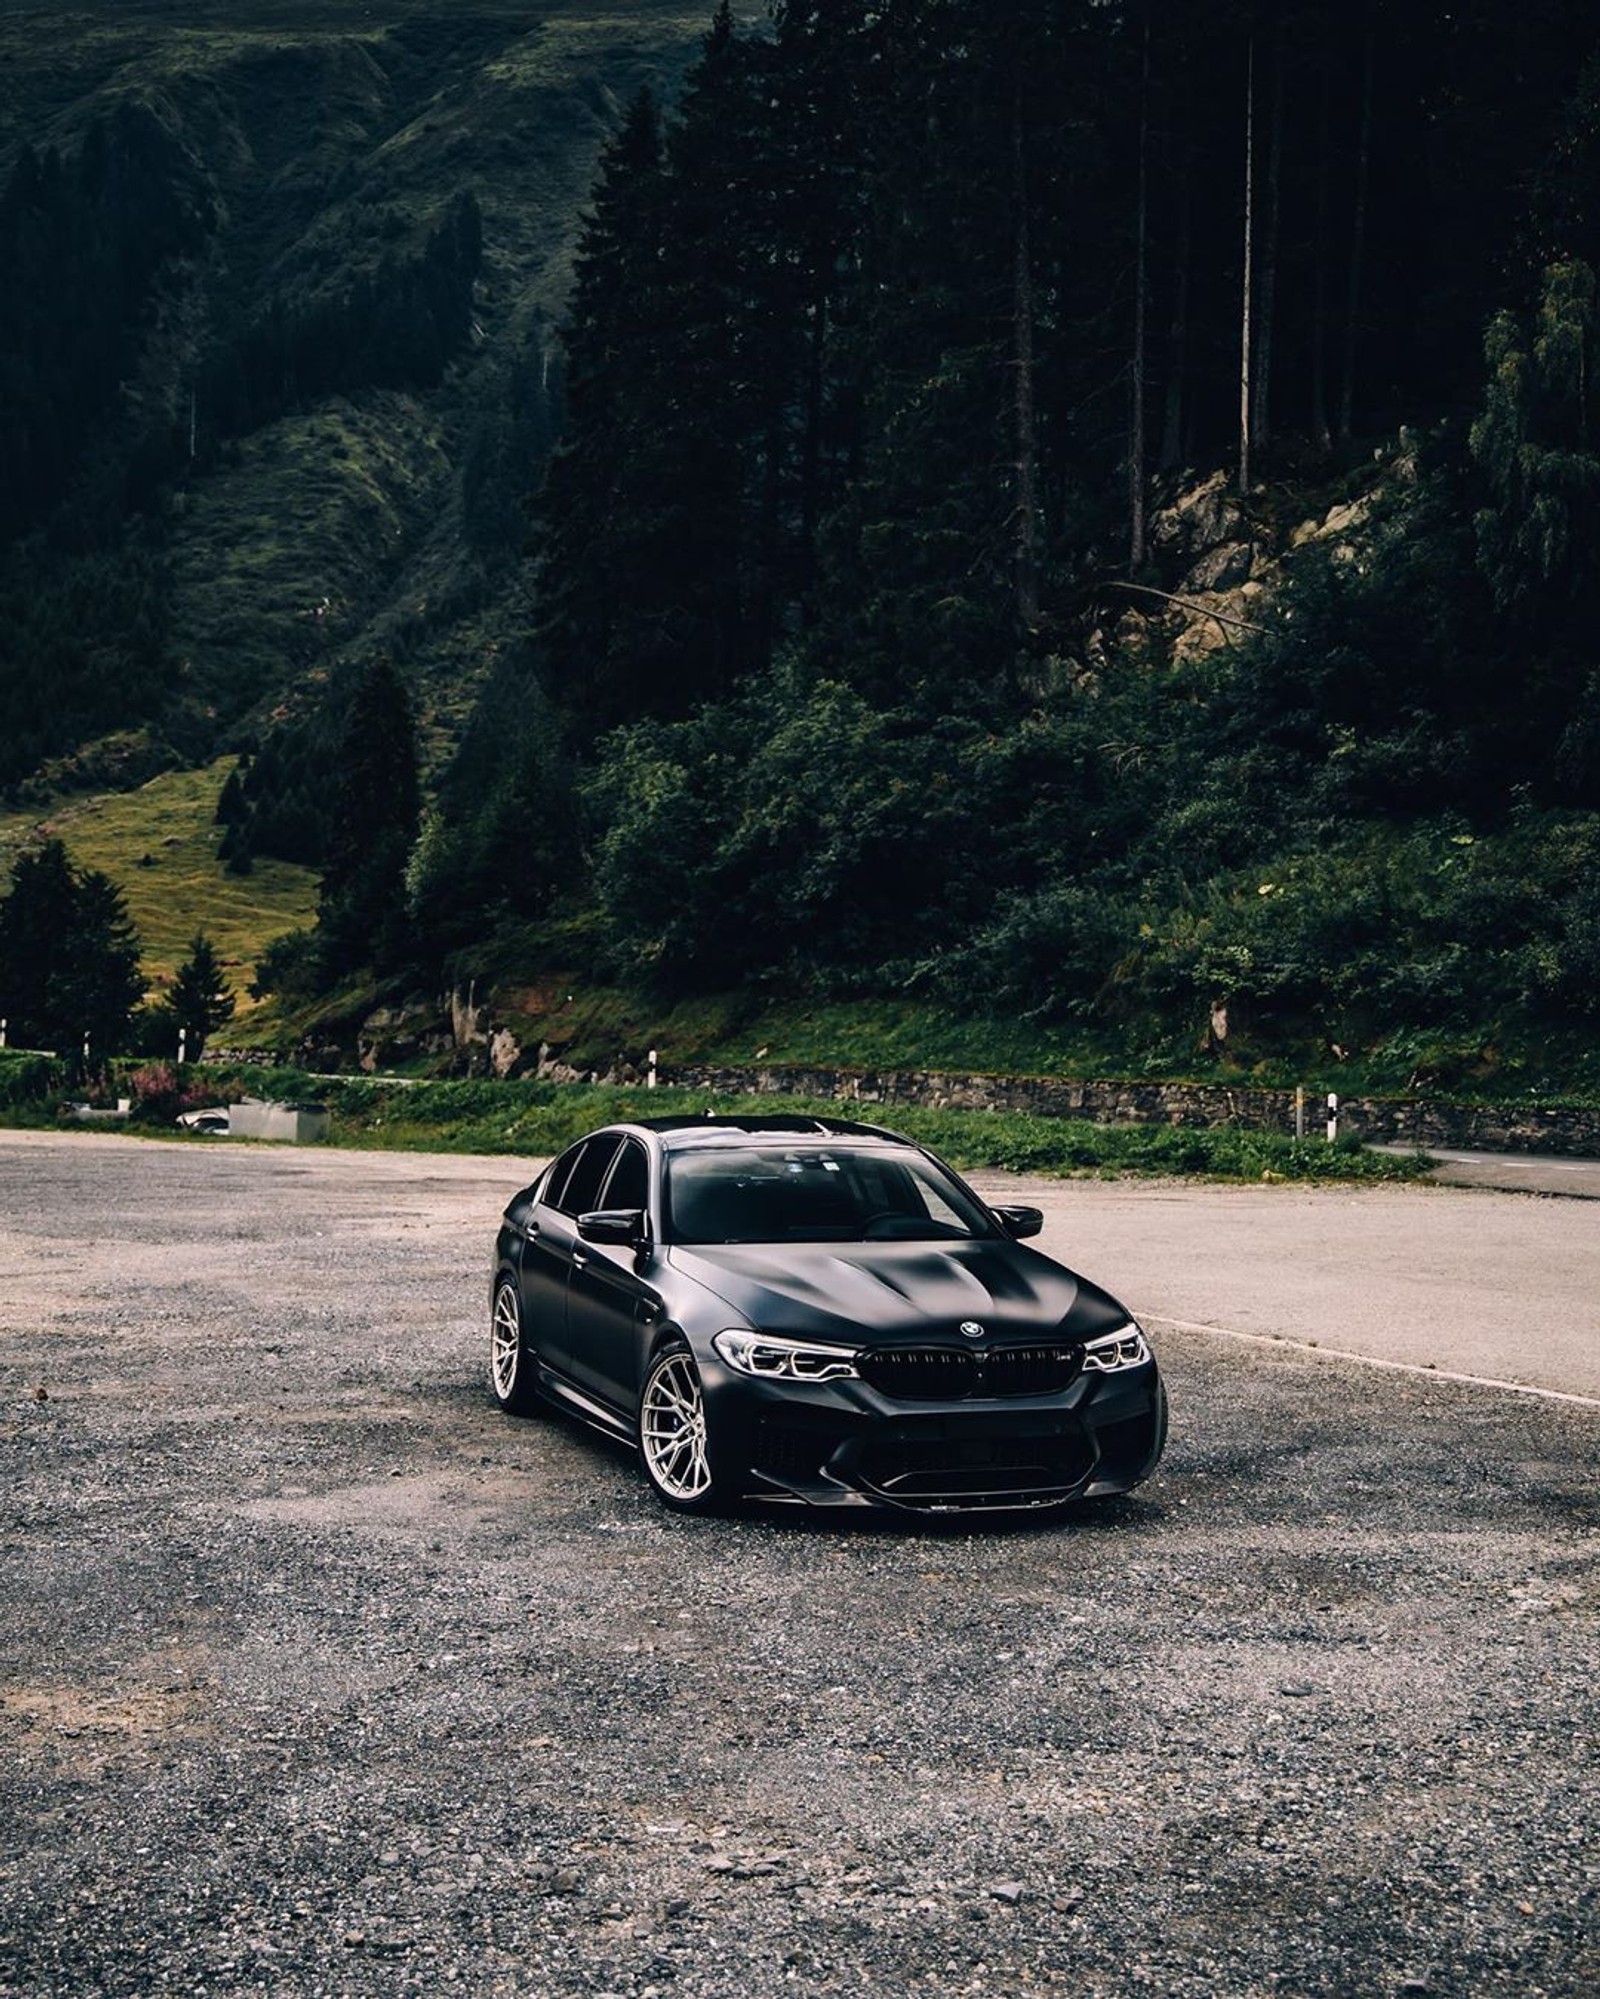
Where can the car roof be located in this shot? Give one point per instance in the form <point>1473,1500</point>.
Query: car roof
<point>712,1128</point>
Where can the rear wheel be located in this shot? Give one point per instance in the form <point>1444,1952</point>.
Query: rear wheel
<point>672,1434</point>
<point>512,1368</point>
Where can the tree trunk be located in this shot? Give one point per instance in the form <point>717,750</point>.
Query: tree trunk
<point>1172,434</point>
<point>1136,443</point>
<point>1320,430</point>
<point>763,617</point>
<point>1027,468</point>
<point>1261,417</point>
<point>1248,285</point>
<point>1358,244</point>
<point>811,457</point>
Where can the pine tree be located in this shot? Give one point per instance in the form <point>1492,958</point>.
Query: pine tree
<point>503,843</point>
<point>69,956</point>
<point>826,67</point>
<point>361,917</point>
<point>987,359</point>
<point>33,919</point>
<point>201,999</point>
<point>680,514</point>
<point>598,512</point>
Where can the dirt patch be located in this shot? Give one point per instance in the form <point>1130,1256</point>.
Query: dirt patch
<point>87,1727</point>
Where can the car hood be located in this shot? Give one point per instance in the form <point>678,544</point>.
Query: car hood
<point>851,1293</point>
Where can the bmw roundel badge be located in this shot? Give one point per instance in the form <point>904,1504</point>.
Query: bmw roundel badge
<point>972,1329</point>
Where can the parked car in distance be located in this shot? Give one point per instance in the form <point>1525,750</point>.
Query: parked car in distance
<point>213,1119</point>
<point>811,1311</point>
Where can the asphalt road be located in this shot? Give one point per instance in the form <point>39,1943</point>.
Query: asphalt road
<point>1497,1286</point>
<point>1514,1172</point>
<point>319,1676</point>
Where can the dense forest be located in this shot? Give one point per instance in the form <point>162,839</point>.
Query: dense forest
<point>899,349</point>
<point>1085,510</point>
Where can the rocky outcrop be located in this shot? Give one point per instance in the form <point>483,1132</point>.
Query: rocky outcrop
<point>469,1022</point>
<point>1338,525</point>
<point>1220,559</point>
<point>1224,567</point>
<point>390,1037</point>
<point>505,1052</point>
<point>1198,518</point>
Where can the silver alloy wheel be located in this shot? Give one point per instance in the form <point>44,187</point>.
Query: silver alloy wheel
<point>505,1343</point>
<point>672,1429</point>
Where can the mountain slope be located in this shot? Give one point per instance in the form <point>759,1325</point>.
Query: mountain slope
<point>328,401</point>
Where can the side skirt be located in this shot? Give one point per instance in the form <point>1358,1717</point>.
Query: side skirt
<point>565,1396</point>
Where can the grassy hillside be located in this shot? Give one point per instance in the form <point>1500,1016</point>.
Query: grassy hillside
<point>159,845</point>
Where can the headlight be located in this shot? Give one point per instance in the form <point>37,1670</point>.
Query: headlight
<point>1112,1352</point>
<point>784,1360</point>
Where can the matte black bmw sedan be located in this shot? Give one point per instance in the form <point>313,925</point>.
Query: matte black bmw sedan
<point>814,1311</point>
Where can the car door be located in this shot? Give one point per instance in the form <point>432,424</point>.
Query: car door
<point>550,1238</point>
<point>608,1301</point>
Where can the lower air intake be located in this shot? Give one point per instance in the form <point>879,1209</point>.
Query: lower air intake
<point>950,1475</point>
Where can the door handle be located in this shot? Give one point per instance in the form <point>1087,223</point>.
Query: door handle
<point>580,1260</point>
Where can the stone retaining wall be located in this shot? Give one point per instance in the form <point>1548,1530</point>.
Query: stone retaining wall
<point>1439,1123</point>
<point>1377,1120</point>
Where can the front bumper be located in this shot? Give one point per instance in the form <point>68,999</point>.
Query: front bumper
<point>843,1444</point>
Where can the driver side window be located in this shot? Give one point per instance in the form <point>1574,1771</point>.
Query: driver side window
<point>629,1185</point>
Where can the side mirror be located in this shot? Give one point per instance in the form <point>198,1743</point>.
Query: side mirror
<point>618,1228</point>
<point>1019,1223</point>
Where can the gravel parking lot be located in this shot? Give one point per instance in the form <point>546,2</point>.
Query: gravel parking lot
<point>318,1675</point>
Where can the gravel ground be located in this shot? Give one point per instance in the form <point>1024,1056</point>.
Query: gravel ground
<point>318,1675</point>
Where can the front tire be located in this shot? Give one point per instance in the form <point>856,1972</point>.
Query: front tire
<point>672,1435</point>
<point>512,1368</point>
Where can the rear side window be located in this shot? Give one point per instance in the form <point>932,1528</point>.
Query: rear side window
<point>548,1186</point>
<point>581,1194</point>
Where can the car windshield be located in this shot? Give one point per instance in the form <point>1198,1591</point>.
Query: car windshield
<point>777,1193</point>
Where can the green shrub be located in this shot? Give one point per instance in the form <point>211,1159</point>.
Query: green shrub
<point>28,1081</point>
<point>1432,926</point>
